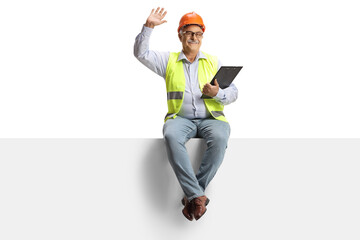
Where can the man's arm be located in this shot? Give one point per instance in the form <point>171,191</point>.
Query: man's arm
<point>227,95</point>
<point>154,60</point>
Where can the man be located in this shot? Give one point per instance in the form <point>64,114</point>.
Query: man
<point>187,74</point>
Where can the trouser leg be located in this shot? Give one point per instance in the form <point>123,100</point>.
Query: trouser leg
<point>176,133</point>
<point>216,134</point>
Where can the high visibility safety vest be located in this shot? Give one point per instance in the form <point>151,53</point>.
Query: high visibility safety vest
<point>175,85</point>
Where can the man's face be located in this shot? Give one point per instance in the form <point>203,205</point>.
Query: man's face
<point>191,42</point>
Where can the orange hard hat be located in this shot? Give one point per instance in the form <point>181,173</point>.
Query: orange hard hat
<point>191,18</point>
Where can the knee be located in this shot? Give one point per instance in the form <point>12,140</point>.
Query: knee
<point>218,141</point>
<point>220,135</point>
<point>169,136</point>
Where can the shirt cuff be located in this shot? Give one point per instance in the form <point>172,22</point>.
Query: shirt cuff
<point>220,95</point>
<point>146,31</point>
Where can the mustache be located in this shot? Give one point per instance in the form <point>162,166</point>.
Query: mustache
<point>192,41</point>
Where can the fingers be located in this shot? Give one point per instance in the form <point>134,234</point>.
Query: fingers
<point>164,14</point>
<point>159,11</point>
<point>211,90</point>
<point>206,88</point>
<point>156,17</point>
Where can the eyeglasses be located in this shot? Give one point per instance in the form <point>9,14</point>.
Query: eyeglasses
<point>190,34</point>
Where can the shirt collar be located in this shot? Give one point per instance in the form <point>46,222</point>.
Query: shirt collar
<point>198,56</point>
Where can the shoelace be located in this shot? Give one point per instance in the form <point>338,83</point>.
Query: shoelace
<point>198,202</point>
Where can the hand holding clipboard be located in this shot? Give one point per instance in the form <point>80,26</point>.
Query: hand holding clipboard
<point>225,76</point>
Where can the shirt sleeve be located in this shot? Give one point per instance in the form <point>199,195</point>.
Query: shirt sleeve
<point>227,95</point>
<point>154,60</point>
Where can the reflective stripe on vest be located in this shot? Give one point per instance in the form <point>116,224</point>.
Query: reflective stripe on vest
<point>175,95</point>
<point>218,113</point>
<point>175,85</point>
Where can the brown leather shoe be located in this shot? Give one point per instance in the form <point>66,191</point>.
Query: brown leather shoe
<point>188,209</point>
<point>183,201</point>
<point>199,206</point>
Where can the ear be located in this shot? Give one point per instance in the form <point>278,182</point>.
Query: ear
<point>180,36</point>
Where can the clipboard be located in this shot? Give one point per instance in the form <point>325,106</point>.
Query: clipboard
<point>225,76</point>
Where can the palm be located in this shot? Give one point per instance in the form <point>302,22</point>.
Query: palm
<point>156,17</point>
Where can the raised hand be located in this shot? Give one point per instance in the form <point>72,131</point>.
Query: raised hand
<point>156,18</point>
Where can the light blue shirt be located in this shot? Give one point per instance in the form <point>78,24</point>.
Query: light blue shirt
<point>193,106</point>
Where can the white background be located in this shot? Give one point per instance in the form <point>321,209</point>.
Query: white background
<point>67,67</point>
